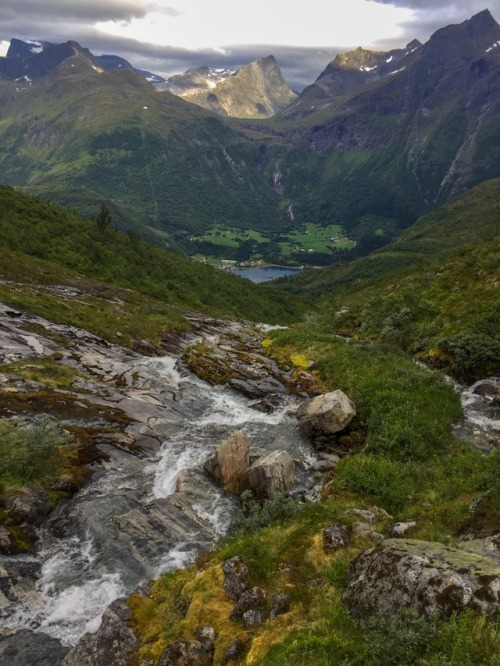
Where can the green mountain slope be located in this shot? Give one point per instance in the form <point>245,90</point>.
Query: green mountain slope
<point>34,229</point>
<point>376,156</point>
<point>164,165</point>
<point>433,292</point>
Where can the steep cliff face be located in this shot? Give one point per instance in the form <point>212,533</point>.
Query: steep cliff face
<point>257,90</point>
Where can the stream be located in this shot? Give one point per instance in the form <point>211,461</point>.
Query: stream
<point>142,513</point>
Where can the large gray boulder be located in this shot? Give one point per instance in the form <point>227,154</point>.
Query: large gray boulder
<point>22,647</point>
<point>230,462</point>
<point>326,414</point>
<point>271,474</point>
<point>427,577</point>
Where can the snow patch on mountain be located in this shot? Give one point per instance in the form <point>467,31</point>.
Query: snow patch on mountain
<point>494,46</point>
<point>36,47</point>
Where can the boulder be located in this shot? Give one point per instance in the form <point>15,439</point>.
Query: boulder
<point>255,598</point>
<point>427,577</point>
<point>30,504</point>
<point>185,653</point>
<point>235,577</point>
<point>398,530</point>
<point>326,414</point>
<point>280,604</point>
<point>253,618</point>
<point>206,635</point>
<point>229,463</point>
<point>20,647</point>
<point>335,536</point>
<point>271,474</point>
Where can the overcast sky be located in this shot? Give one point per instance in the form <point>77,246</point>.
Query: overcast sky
<point>168,36</point>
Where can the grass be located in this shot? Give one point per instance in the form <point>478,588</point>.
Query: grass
<point>288,245</point>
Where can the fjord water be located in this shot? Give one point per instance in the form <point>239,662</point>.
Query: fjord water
<point>81,572</point>
<point>264,273</point>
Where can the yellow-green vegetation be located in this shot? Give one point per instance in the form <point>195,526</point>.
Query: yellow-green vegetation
<point>284,557</point>
<point>288,557</point>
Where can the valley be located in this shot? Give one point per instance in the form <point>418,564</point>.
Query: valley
<point>198,469</point>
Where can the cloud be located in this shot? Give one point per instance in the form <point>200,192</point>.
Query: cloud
<point>300,65</point>
<point>62,10</point>
<point>429,15</point>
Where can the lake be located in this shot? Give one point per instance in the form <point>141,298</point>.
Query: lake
<point>264,273</point>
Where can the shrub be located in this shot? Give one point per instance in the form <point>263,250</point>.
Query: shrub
<point>28,452</point>
<point>252,515</point>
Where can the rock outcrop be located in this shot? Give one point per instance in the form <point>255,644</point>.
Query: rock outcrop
<point>326,414</point>
<point>23,647</point>
<point>236,577</point>
<point>429,578</point>
<point>113,642</point>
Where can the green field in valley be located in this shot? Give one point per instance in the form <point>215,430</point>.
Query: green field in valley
<point>291,247</point>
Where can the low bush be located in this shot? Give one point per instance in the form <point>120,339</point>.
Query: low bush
<point>28,452</point>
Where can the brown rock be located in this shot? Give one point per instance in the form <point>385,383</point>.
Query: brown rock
<point>229,463</point>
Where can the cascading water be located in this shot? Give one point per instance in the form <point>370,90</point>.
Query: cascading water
<point>82,572</point>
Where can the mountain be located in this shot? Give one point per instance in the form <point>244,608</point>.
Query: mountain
<point>348,73</point>
<point>257,90</point>
<point>375,155</point>
<point>166,168</point>
<point>391,137</point>
<point>32,60</point>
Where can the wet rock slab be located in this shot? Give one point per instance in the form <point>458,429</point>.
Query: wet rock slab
<point>27,648</point>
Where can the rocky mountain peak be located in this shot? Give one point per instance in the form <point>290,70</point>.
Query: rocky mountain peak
<point>480,31</point>
<point>34,59</point>
<point>257,89</point>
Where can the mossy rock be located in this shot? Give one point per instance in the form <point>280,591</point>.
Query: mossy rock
<point>427,577</point>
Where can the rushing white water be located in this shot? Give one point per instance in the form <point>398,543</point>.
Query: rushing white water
<point>480,404</point>
<point>68,600</point>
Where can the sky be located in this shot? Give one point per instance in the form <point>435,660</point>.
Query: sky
<point>169,36</point>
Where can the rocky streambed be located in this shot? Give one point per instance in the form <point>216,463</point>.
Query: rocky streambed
<point>148,506</point>
<point>154,429</point>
